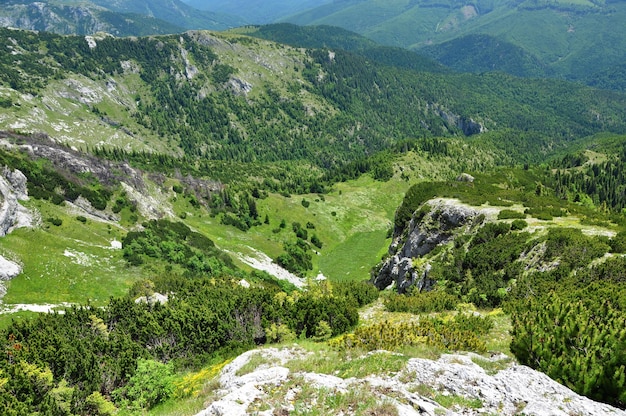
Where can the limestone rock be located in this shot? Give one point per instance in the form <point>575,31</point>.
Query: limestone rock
<point>514,390</point>
<point>444,219</point>
<point>8,270</point>
<point>12,214</point>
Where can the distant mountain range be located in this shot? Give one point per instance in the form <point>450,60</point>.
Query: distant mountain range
<point>120,18</point>
<point>258,11</point>
<point>576,40</point>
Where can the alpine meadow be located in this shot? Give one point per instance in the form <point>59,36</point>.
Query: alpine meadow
<point>312,208</point>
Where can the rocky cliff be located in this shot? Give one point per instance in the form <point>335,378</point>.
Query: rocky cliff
<point>12,189</point>
<point>433,224</point>
<point>12,215</point>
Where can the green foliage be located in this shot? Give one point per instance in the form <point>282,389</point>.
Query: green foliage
<point>572,247</point>
<point>414,197</point>
<point>482,53</point>
<point>297,257</point>
<point>152,383</point>
<point>323,331</point>
<point>580,346</point>
<point>121,350</point>
<point>221,73</point>
<point>56,183</point>
<point>517,225</point>
<point>421,302</point>
<point>602,182</point>
<point>489,232</point>
<point>55,221</point>
<point>482,272</point>
<point>316,241</point>
<point>338,313</point>
<point>96,404</point>
<point>506,214</point>
<point>360,292</point>
<point>175,243</point>
<point>279,333</point>
<point>454,334</point>
<point>618,243</point>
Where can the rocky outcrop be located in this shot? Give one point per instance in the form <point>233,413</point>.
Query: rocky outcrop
<point>8,270</point>
<point>468,126</point>
<point>515,390</point>
<point>415,390</point>
<point>444,218</point>
<point>12,189</point>
<point>12,215</point>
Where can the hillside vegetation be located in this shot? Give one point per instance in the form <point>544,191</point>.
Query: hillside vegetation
<point>194,196</point>
<point>577,40</point>
<point>120,18</point>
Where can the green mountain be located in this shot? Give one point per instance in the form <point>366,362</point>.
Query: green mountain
<point>256,11</point>
<point>484,53</point>
<point>79,19</point>
<point>576,40</point>
<point>136,18</point>
<point>185,198</point>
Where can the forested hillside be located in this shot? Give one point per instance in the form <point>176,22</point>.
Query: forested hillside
<point>328,108</point>
<point>120,18</point>
<point>193,196</point>
<point>577,40</point>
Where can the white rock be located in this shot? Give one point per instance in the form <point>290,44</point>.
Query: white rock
<point>510,391</point>
<point>8,269</point>
<point>12,214</point>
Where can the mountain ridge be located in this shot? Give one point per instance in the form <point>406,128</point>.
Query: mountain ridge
<point>136,18</point>
<point>151,159</point>
<point>567,47</point>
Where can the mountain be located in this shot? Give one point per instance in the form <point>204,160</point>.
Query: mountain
<point>173,11</point>
<point>81,19</point>
<point>484,53</point>
<point>576,40</point>
<point>118,18</point>
<point>256,11</point>
<point>178,200</point>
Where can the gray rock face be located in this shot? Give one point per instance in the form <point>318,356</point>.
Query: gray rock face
<point>444,220</point>
<point>515,390</point>
<point>13,189</point>
<point>8,270</point>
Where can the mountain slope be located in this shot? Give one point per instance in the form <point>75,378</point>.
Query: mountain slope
<point>80,19</point>
<point>575,42</point>
<point>257,11</point>
<point>163,170</point>
<point>119,18</point>
<point>173,11</point>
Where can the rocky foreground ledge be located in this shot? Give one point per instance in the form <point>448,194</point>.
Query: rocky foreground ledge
<point>420,388</point>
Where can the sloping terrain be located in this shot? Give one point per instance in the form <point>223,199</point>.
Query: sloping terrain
<point>576,40</point>
<point>119,18</point>
<point>257,12</point>
<point>195,196</point>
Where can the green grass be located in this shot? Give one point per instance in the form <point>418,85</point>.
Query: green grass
<point>356,364</point>
<point>353,258</point>
<point>313,400</point>
<point>73,262</point>
<point>452,401</point>
<point>351,221</point>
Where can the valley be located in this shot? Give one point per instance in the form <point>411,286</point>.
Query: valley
<point>228,223</point>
